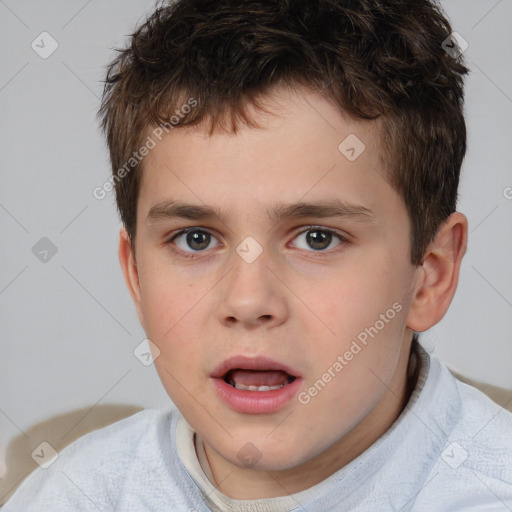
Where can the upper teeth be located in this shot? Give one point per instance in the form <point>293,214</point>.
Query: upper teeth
<point>256,388</point>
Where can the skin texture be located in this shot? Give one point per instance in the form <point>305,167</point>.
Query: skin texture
<point>294,304</point>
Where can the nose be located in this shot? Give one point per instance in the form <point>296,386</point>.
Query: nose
<point>252,295</point>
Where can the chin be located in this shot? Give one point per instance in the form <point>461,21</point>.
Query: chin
<point>266,456</point>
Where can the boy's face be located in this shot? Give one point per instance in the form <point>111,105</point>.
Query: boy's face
<point>310,300</point>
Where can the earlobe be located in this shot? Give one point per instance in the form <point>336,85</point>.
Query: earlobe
<point>438,276</point>
<point>130,271</point>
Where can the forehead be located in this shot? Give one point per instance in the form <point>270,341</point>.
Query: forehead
<point>303,150</point>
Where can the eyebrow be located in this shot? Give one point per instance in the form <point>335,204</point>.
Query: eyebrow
<point>335,208</point>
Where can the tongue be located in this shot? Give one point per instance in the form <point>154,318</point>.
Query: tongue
<point>258,378</point>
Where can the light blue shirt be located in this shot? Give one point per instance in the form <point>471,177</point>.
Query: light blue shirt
<point>450,450</point>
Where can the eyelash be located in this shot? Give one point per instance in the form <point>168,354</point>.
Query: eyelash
<point>196,254</point>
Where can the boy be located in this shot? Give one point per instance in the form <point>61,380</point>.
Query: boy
<point>311,150</point>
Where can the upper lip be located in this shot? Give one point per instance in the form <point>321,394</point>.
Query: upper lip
<point>251,363</point>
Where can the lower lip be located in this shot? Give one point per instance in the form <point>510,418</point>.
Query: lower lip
<point>256,402</point>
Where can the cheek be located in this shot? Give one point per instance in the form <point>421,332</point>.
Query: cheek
<point>365,302</point>
<point>173,311</point>
<point>168,303</point>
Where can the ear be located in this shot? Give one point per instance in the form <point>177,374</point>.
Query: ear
<point>130,271</point>
<point>437,277</point>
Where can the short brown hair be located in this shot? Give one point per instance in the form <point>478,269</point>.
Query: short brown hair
<point>372,58</point>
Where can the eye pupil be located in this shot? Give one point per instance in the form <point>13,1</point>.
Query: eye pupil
<point>317,239</point>
<point>198,240</point>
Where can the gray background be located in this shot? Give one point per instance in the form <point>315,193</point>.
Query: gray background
<point>68,326</point>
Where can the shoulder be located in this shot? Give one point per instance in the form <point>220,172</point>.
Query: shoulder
<point>473,471</point>
<point>113,446</point>
<point>92,469</point>
<point>485,429</point>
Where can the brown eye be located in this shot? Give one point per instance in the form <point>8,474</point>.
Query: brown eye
<point>318,239</point>
<point>193,240</point>
<point>198,240</point>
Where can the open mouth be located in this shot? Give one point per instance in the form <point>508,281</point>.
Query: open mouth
<point>257,380</point>
<point>255,384</point>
